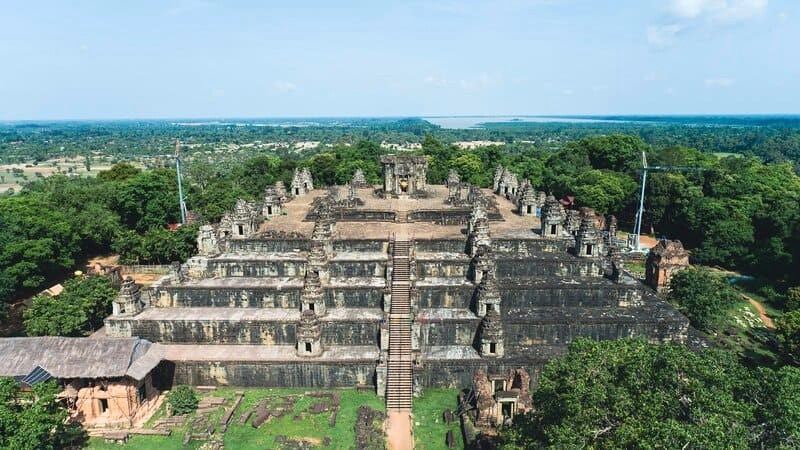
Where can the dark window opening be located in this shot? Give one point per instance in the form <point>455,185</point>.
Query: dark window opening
<point>241,230</point>
<point>505,190</point>
<point>269,210</point>
<point>589,249</point>
<point>492,348</point>
<point>498,385</point>
<point>507,409</point>
<point>552,229</point>
<point>305,185</point>
<point>103,405</point>
<point>141,393</point>
<point>308,347</point>
<point>530,209</point>
<point>296,191</point>
<point>311,306</point>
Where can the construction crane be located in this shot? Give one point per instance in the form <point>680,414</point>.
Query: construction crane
<point>180,186</point>
<point>637,228</point>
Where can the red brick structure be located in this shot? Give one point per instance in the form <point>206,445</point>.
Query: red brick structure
<point>666,258</point>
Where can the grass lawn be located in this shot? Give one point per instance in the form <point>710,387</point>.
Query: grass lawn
<point>430,430</point>
<point>745,333</point>
<point>312,428</point>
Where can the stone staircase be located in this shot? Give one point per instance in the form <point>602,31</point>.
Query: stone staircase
<point>399,383</point>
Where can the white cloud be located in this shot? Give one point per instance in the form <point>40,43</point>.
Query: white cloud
<point>717,10</point>
<point>218,92</point>
<point>284,86</point>
<point>719,82</point>
<point>663,35</point>
<point>783,16</point>
<point>711,15</point>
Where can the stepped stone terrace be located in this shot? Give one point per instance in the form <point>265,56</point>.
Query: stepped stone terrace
<point>301,294</point>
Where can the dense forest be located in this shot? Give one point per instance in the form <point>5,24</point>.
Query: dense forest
<point>771,138</point>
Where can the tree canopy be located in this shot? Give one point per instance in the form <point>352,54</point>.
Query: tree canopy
<point>633,394</point>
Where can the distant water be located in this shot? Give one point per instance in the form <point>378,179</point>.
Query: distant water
<point>462,122</point>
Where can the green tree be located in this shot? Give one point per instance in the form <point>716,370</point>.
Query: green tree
<point>780,407</point>
<point>80,308</point>
<point>633,394</point>
<point>702,296</point>
<point>182,400</point>
<point>34,421</point>
<point>603,190</point>
<point>787,331</point>
<point>119,172</point>
<point>38,242</point>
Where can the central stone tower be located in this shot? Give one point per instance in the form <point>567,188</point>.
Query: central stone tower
<point>404,174</point>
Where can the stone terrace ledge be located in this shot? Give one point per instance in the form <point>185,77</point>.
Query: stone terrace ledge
<point>240,282</point>
<point>251,314</point>
<point>359,282</point>
<point>439,256</point>
<point>265,353</point>
<point>360,256</point>
<point>443,281</point>
<point>449,352</point>
<point>436,314</point>
<point>215,314</point>
<point>271,256</point>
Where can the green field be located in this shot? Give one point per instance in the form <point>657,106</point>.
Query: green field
<point>430,429</point>
<point>299,425</point>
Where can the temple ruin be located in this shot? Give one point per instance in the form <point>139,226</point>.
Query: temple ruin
<point>399,287</point>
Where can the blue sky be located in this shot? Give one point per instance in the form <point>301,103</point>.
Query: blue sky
<point>209,58</point>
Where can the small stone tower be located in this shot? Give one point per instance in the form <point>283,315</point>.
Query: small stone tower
<point>588,241</point>
<point>527,205</point>
<point>359,180</point>
<point>242,222</point>
<point>207,241</point>
<point>553,217</point>
<point>312,297</point>
<point>487,295</point>
<point>129,299</point>
<point>492,335</point>
<point>453,187</point>
<point>273,203</point>
<point>309,335</point>
<point>404,174</point>
<point>302,182</point>
<point>666,258</point>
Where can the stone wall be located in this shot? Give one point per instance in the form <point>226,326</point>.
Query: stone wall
<point>257,267</point>
<point>354,297</point>
<point>268,245</point>
<point>359,268</point>
<point>555,266</point>
<point>311,374</point>
<point>445,296</point>
<point>528,247</point>
<point>354,332</point>
<point>448,332</point>
<point>185,297</point>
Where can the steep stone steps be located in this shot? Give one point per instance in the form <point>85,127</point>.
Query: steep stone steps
<point>399,379</point>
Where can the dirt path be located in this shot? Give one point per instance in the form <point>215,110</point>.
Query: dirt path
<point>761,312</point>
<point>398,431</point>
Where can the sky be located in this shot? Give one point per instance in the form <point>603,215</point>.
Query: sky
<point>116,59</point>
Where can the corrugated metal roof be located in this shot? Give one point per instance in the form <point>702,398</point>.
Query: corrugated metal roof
<point>65,357</point>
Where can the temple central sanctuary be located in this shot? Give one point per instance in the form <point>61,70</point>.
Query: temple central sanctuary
<point>400,286</point>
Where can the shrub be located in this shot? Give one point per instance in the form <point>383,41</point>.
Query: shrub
<point>182,400</point>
